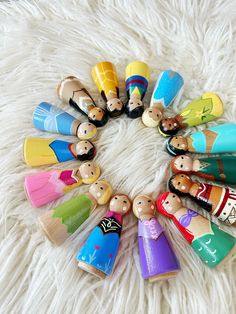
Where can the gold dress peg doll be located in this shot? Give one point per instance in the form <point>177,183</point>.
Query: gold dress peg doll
<point>105,77</point>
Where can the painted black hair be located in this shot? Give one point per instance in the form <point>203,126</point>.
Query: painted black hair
<point>173,189</point>
<point>135,113</point>
<point>102,122</point>
<point>89,155</point>
<point>167,132</point>
<point>173,151</point>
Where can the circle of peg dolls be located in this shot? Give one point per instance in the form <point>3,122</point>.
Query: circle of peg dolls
<point>97,255</point>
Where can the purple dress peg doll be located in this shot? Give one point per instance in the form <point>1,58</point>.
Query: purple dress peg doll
<point>157,258</point>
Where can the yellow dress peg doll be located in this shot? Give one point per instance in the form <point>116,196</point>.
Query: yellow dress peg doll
<point>105,77</point>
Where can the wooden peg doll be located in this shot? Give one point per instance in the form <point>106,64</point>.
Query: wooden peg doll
<point>62,221</point>
<point>217,200</point>
<point>71,91</point>
<point>98,253</point>
<point>47,117</point>
<point>105,77</point>
<point>46,151</point>
<point>157,258</point>
<point>220,168</point>
<point>202,110</point>
<point>217,139</point>
<point>168,86</point>
<point>137,74</point>
<point>208,241</point>
<point>45,187</point>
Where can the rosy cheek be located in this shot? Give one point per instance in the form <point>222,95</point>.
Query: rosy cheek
<point>152,207</point>
<point>98,194</point>
<point>183,145</point>
<point>124,208</point>
<point>183,187</point>
<point>139,209</point>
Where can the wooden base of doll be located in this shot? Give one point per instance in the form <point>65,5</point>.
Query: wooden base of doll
<point>163,276</point>
<point>54,230</point>
<point>92,270</point>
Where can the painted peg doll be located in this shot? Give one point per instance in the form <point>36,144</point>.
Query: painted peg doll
<point>209,242</point>
<point>62,221</point>
<point>46,151</point>
<point>105,78</point>
<point>169,85</point>
<point>212,168</point>
<point>98,253</point>
<point>47,117</point>
<point>44,187</point>
<point>157,258</point>
<point>217,200</point>
<point>137,75</point>
<point>202,110</point>
<point>71,91</point>
<point>217,139</point>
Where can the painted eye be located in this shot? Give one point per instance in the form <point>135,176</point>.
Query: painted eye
<point>176,137</point>
<point>139,203</point>
<point>173,196</point>
<point>150,111</point>
<point>89,124</point>
<point>131,103</point>
<point>116,198</point>
<point>157,115</point>
<point>85,148</point>
<point>182,176</point>
<point>169,125</point>
<point>181,166</point>
<point>101,188</point>
<point>92,173</point>
<point>88,165</point>
<point>166,202</point>
<point>149,201</point>
<point>96,183</point>
<point>125,202</point>
<point>179,183</point>
<point>99,110</point>
<point>94,116</point>
<point>85,131</point>
<point>177,145</point>
<point>182,157</point>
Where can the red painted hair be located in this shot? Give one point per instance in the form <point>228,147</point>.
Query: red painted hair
<point>159,204</point>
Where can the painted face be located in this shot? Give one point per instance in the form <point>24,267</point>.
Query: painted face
<point>179,142</point>
<point>134,103</point>
<point>120,203</point>
<point>89,172</point>
<point>144,207</point>
<point>85,150</point>
<point>114,104</point>
<point>169,126</point>
<point>172,203</point>
<point>181,182</point>
<point>101,191</point>
<point>151,117</point>
<point>86,131</point>
<point>96,114</point>
<point>182,163</point>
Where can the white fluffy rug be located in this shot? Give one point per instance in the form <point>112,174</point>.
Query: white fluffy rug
<point>40,43</point>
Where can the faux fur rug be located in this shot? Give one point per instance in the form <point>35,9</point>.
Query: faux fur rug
<point>40,43</point>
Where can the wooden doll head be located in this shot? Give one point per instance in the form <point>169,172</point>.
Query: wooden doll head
<point>168,126</point>
<point>168,203</point>
<point>115,107</point>
<point>182,164</point>
<point>120,203</point>
<point>98,116</point>
<point>85,150</point>
<point>144,207</point>
<point>89,172</point>
<point>134,107</point>
<point>180,184</point>
<point>152,116</point>
<point>101,191</point>
<point>86,131</point>
<point>177,145</point>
